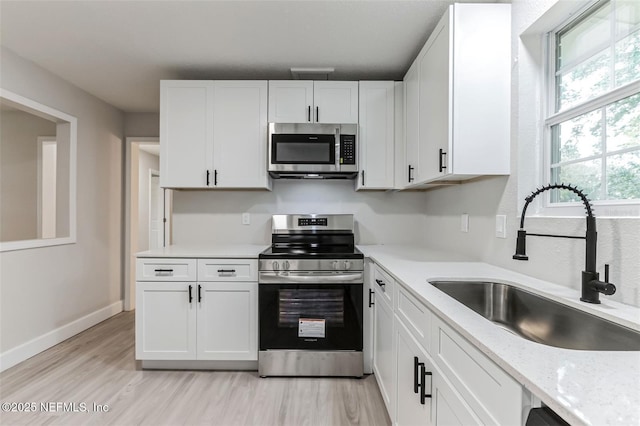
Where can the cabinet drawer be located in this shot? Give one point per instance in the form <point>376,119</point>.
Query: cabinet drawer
<point>227,270</point>
<point>415,316</point>
<point>383,285</point>
<point>165,269</point>
<point>493,395</point>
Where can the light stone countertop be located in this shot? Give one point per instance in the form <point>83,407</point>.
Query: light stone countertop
<point>241,251</point>
<point>584,387</point>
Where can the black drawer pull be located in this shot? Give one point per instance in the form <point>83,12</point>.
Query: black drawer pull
<point>199,293</point>
<point>416,365</point>
<point>163,270</point>
<point>226,271</point>
<point>442,166</point>
<point>371,302</point>
<point>423,385</point>
<point>410,174</point>
<point>190,294</point>
<point>381,283</point>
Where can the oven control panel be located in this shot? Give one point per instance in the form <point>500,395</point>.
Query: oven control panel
<point>312,221</point>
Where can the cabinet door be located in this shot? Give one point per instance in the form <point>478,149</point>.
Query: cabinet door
<point>377,131</point>
<point>186,133</point>
<point>335,102</point>
<point>228,321</point>
<point>435,105</point>
<point>165,321</point>
<point>410,409</point>
<point>240,134</point>
<point>290,101</point>
<point>384,353</point>
<point>412,123</point>
<point>449,407</point>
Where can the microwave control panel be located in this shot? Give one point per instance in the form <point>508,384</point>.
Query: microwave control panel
<point>347,149</point>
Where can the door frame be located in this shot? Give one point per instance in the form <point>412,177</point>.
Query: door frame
<point>129,256</point>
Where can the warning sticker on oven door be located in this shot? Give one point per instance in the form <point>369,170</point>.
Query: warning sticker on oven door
<point>310,327</point>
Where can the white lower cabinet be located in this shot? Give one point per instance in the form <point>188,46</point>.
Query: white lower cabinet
<point>228,321</point>
<point>461,385</point>
<point>165,321</point>
<point>196,320</point>
<point>384,352</point>
<point>412,360</point>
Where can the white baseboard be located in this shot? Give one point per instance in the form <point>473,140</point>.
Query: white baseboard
<point>33,347</point>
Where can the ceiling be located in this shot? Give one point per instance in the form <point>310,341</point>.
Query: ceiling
<point>119,50</point>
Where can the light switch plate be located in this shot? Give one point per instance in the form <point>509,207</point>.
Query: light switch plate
<point>501,226</point>
<point>246,219</point>
<point>464,223</point>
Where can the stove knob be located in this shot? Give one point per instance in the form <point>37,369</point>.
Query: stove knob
<point>285,265</point>
<point>275,266</point>
<point>335,264</point>
<point>347,265</point>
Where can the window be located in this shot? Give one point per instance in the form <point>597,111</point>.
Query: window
<point>593,125</point>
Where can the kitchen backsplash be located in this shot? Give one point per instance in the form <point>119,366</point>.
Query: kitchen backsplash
<point>216,216</point>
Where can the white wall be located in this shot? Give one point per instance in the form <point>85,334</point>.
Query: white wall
<point>19,133</point>
<point>142,124</point>
<point>45,291</point>
<point>215,216</point>
<point>556,260</point>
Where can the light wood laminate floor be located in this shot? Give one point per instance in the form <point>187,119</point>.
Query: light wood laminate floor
<point>98,366</point>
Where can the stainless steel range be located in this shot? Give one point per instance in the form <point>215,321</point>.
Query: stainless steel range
<point>310,298</point>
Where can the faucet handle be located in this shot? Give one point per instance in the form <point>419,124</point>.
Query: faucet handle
<point>606,272</point>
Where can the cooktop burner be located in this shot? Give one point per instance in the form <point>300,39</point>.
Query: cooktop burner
<point>312,252</point>
<point>312,236</point>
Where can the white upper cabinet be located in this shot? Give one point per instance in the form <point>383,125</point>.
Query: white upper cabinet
<point>240,134</point>
<point>295,101</point>
<point>376,135</point>
<point>213,134</point>
<point>412,124</point>
<point>186,133</point>
<point>290,101</point>
<point>457,97</point>
<point>336,102</point>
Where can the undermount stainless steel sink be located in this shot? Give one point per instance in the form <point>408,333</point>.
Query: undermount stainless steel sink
<point>539,319</point>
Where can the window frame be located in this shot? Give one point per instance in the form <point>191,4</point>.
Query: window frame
<point>604,208</point>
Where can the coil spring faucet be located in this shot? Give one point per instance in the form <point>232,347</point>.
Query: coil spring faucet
<point>591,285</point>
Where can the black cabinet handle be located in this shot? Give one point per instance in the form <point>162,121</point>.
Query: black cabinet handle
<point>190,294</point>
<point>363,178</point>
<point>442,154</point>
<point>208,174</point>
<point>226,271</point>
<point>309,113</point>
<point>163,270</point>
<point>416,365</point>
<point>317,115</point>
<point>199,293</point>
<point>423,385</point>
<point>215,178</point>
<point>381,283</point>
<point>371,302</point>
<point>410,178</point>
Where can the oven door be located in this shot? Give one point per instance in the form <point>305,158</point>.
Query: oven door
<point>308,315</point>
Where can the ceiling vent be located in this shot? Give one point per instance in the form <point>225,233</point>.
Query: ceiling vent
<point>311,73</point>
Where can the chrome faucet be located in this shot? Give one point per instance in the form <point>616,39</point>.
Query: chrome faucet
<point>591,285</point>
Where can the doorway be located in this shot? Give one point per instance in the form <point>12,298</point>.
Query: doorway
<point>147,209</point>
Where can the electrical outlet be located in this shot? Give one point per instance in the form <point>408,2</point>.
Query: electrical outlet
<point>501,226</point>
<point>246,219</point>
<point>464,223</point>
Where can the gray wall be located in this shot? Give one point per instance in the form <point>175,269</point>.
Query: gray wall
<point>47,288</point>
<point>19,132</point>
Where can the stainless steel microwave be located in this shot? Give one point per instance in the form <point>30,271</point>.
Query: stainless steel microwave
<point>309,150</point>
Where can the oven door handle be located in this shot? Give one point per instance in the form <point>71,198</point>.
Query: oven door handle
<point>317,277</point>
